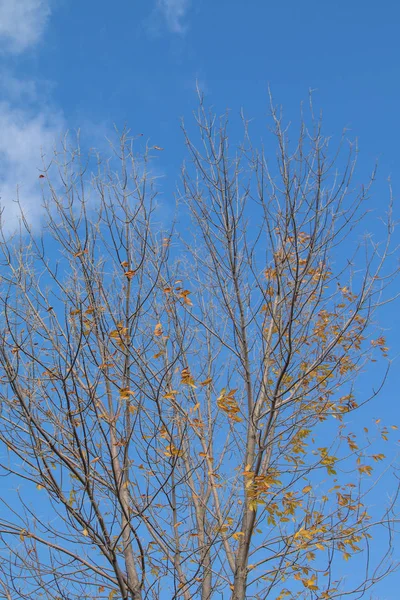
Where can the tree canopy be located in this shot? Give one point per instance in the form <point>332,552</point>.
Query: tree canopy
<point>180,409</point>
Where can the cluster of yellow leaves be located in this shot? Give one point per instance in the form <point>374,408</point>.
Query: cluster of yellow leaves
<point>226,402</point>
<point>125,393</point>
<point>224,527</point>
<point>348,544</point>
<point>121,335</point>
<point>184,295</point>
<point>172,450</point>
<point>297,443</point>
<point>258,485</point>
<point>380,343</point>
<point>310,534</point>
<point>309,582</point>
<point>186,377</point>
<point>328,461</point>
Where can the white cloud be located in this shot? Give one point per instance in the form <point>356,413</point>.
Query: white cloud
<point>25,136</point>
<point>174,12</point>
<point>22,23</point>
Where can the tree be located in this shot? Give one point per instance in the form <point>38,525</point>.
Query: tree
<point>180,416</point>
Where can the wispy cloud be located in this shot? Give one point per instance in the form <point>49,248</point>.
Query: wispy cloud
<point>22,23</point>
<point>174,13</point>
<point>25,137</point>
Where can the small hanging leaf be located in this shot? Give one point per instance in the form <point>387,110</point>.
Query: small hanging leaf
<point>158,330</point>
<point>186,377</point>
<point>184,295</point>
<point>130,274</point>
<point>81,253</point>
<point>171,395</point>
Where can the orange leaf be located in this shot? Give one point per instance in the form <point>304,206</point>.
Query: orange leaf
<point>130,274</point>
<point>158,330</point>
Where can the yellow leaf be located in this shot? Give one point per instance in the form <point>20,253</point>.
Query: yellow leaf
<point>125,393</point>
<point>85,532</point>
<point>367,469</point>
<point>346,555</point>
<point>378,457</point>
<point>186,377</point>
<point>158,330</point>
<point>130,274</point>
<point>237,535</point>
<point>206,381</point>
<point>306,489</point>
<point>39,486</point>
<point>184,295</point>
<point>310,583</point>
<point>171,395</point>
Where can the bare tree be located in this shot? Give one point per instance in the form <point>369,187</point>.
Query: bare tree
<point>177,407</point>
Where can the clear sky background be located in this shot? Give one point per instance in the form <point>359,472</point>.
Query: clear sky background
<point>90,64</point>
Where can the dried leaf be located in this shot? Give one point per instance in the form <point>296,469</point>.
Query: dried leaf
<point>81,253</point>
<point>171,395</point>
<point>158,330</point>
<point>130,274</point>
<point>125,393</point>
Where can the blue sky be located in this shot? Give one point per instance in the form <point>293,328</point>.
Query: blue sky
<point>90,64</point>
